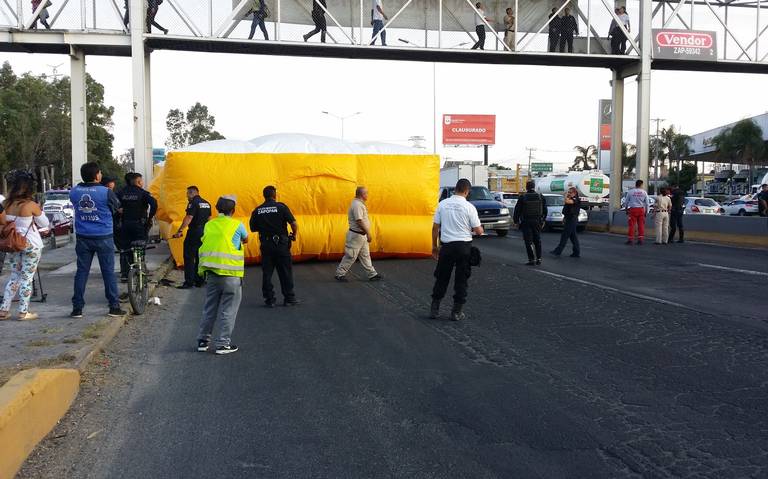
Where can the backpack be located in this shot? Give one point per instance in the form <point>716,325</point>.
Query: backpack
<point>11,241</point>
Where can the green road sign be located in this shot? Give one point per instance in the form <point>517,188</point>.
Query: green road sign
<point>541,168</point>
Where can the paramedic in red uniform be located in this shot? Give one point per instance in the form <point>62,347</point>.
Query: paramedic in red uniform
<point>637,210</point>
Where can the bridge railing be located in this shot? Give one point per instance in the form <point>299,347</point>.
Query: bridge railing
<point>431,24</point>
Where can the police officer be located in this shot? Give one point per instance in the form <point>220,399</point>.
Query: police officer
<point>138,209</point>
<point>198,211</point>
<point>530,213</point>
<point>270,220</point>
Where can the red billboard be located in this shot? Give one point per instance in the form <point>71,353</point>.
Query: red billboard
<point>469,129</point>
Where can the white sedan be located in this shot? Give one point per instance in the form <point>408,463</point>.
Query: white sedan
<point>702,206</point>
<point>741,207</point>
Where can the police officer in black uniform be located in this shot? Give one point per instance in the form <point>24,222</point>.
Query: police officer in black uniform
<point>270,220</point>
<point>138,209</point>
<point>198,212</point>
<point>530,213</point>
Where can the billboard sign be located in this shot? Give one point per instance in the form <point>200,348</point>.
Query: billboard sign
<point>684,44</point>
<point>604,132</point>
<point>541,168</point>
<point>469,129</point>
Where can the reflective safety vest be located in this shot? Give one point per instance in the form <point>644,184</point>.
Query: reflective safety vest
<point>217,254</point>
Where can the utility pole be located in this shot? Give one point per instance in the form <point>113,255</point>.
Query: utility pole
<point>658,151</point>
<point>530,157</point>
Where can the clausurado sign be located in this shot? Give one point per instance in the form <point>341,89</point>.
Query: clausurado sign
<point>684,44</point>
<point>469,129</point>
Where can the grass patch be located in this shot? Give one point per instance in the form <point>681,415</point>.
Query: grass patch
<point>70,340</point>
<point>51,330</point>
<point>39,343</point>
<point>94,330</point>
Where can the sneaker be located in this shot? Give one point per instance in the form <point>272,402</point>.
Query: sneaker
<point>5,315</point>
<point>341,279</point>
<point>378,277</point>
<point>291,302</point>
<point>27,316</point>
<point>228,349</point>
<point>203,346</point>
<point>116,312</point>
<point>76,313</point>
<point>269,304</point>
<point>538,261</point>
<point>457,314</point>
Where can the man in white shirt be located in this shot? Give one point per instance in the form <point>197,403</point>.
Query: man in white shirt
<point>637,209</point>
<point>455,221</point>
<point>624,17</point>
<point>377,21</point>
<point>480,21</point>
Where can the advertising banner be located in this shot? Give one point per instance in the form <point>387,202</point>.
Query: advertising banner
<point>684,44</point>
<point>605,117</point>
<point>469,129</point>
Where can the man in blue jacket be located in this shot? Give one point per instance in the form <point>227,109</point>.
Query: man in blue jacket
<point>94,206</point>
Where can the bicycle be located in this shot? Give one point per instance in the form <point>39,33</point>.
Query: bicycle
<point>138,277</point>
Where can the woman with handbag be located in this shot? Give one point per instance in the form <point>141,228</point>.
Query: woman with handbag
<point>27,218</point>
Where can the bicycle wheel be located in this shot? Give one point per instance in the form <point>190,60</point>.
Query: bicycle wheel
<point>137,290</point>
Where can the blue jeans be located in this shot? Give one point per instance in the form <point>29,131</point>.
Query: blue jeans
<point>104,249</point>
<point>378,26</point>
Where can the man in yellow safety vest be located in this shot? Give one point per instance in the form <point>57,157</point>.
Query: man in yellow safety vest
<point>222,263</point>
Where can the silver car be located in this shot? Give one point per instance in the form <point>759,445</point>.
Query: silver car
<point>702,206</point>
<point>509,199</point>
<point>555,218</point>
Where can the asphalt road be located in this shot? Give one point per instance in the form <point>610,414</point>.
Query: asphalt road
<point>628,362</point>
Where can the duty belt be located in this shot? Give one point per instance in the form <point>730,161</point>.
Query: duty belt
<point>274,238</point>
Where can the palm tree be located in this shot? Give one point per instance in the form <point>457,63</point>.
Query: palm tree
<point>675,144</point>
<point>628,159</point>
<point>586,160</point>
<point>742,142</point>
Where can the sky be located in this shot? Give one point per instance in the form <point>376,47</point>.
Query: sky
<point>551,109</point>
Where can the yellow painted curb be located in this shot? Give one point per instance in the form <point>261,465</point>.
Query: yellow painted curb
<point>31,403</point>
<point>708,236</point>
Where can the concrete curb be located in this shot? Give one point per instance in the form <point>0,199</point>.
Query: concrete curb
<point>31,403</point>
<point>34,400</point>
<point>707,237</point>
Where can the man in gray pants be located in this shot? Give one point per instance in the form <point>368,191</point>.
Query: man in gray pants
<point>222,263</point>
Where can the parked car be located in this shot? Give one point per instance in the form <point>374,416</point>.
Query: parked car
<point>702,206</point>
<point>60,225</point>
<point>555,216</point>
<point>493,214</point>
<point>509,199</point>
<point>651,201</point>
<point>741,207</point>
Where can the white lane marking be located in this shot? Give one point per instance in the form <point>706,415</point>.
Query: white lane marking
<point>734,270</point>
<point>616,290</point>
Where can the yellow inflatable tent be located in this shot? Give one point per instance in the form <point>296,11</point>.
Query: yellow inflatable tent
<point>316,177</point>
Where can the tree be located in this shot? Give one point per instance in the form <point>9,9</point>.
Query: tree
<point>743,142</point>
<point>628,159</point>
<point>685,177</point>
<point>194,127</point>
<point>498,166</point>
<point>675,145</point>
<point>35,125</point>
<point>586,160</point>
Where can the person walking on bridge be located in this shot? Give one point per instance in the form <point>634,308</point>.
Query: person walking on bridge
<point>455,221</point>
<point>260,12</point>
<point>271,220</point>
<point>152,7</point>
<point>43,17</point>
<point>480,21</point>
<point>554,30</point>
<point>318,18</point>
<point>356,245</point>
<point>637,210</point>
<point>530,213</point>
<point>222,263</point>
<point>568,27</point>
<point>377,22</point>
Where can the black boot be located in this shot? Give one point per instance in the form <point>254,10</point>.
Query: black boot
<point>456,313</point>
<point>434,310</point>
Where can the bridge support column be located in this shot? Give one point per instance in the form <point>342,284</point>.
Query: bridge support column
<point>142,107</point>
<point>617,142</point>
<point>644,93</point>
<point>78,113</point>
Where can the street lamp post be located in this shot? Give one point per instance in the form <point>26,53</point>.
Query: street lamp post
<point>341,119</point>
